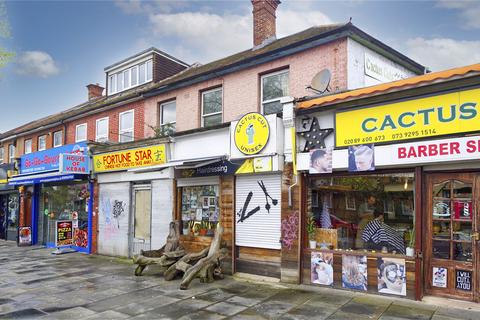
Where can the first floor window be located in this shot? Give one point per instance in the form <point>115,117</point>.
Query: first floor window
<point>101,133</point>
<point>11,153</point>
<point>168,114</point>
<point>42,143</point>
<point>126,126</point>
<point>212,107</point>
<point>273,87</point>
<point>2,154</point>
<point>57,139</point>
<point>81,132</point>
<point>28,146</point>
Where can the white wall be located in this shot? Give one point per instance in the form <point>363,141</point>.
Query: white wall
<point>200,145</point>
<point>356,77</point>
<point>162,211</point>
<point>113,223</point>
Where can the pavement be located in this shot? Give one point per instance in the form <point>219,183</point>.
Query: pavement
<point>34,284</point>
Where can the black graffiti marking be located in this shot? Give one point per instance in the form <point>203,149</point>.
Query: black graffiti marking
<point>118,210</point>
<point>264,189</point>
<point>242,212</point>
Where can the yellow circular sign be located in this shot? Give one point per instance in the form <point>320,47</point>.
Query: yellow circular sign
<point>251,133</point>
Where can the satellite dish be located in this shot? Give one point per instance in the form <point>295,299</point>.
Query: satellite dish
<point>321,81</point>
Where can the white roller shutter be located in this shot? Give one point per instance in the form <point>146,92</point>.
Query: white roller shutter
<point>262,228</point>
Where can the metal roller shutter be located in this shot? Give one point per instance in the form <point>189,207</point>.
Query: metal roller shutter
<point>255,225</point>
<point>202,181</point>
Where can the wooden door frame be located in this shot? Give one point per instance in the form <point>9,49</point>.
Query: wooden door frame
<point>429,178</point>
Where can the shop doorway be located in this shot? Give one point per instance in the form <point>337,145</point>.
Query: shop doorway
<point>141,233</point>
<point>452,235</point>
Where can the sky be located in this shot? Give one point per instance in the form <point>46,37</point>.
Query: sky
<point>61,46</point>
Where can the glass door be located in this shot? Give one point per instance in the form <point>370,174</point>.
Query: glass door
<point>451,236</point>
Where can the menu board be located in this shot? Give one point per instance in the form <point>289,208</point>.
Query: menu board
<point>64,233</point>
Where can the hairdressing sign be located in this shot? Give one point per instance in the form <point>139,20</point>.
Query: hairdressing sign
<point>49,160</point>
<point>128,159</point>
<point>442,114</point>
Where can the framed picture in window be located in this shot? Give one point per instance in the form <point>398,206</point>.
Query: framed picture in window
<point>212,202</point>
<point>205,203</point>
<point>350,202</point>
<point>314,199</point>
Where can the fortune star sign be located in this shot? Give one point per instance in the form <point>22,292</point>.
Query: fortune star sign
<point>313,136</point>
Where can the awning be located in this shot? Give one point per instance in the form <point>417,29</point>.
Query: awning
<point>44,178</point>
<point>181,164</point>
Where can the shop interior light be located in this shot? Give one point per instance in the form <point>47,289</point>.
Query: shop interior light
<point>405,186</point>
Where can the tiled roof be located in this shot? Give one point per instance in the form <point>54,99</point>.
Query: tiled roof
<point>425,79</point>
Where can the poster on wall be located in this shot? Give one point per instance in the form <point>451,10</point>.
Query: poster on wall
<point>361,158</point>
<point>392,276</point>
<point>354,272</point>
<point>321,160</point>
<point>439,275</point>
<point>25,236</point>
<point>463,280</point>
<point>64,233</point>
<point>322,268</point>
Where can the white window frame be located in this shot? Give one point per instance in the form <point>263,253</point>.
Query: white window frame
<point>11,153</point>
<point>44,137</point>
<point>213,113</point>
<point>261,87</point>
<point>121,132</point>
<point>76,132</point>
<point>25,146</point>
<point>146,70</point>
<point>112,83</point>
<point>61,138</point>
<point>161,112</point>
<point>102,138</point>
<point>2,154</point>
<point>113,78</point>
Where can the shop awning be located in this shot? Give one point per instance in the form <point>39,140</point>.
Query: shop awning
<point>44,178</point>
<point>181,164</point>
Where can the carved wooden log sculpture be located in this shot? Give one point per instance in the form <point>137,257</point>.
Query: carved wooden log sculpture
<point>209,267</point>
<point>165,256</point>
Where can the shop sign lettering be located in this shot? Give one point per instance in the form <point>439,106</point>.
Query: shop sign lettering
<point>251,133</point>
<point>72,163</point>
<point>128,159</point>
<point>463,280</point>
<point>431,116</point>
<point>48,160</point>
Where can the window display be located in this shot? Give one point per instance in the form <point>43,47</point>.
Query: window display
<point>200,210</point>
<point>367,213</point>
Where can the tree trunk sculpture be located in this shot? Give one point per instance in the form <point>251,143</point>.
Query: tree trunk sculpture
<point>165,256</point>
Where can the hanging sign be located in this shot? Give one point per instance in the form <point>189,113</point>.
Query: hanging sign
<point>73,163</point>
<point>251,133</point>
<point>463,280</point>
<point>128,159</point>
<point>64,233</point>
<point>412,119</point>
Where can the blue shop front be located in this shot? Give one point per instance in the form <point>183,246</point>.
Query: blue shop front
<point>9,204</point>
<point>57,198</point>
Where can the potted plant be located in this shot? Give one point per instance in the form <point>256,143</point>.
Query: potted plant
<point>410,250</point>
<point>311,230</point>
<point>203,228</point>
<point>211,228</point>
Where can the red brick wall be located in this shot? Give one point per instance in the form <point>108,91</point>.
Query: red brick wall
<point>113,125</point>
<point>263,20</point>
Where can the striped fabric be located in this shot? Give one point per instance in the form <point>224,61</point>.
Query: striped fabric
<point>325,220</point>
<point>379,232</point>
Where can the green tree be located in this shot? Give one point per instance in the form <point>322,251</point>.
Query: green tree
<point>5,55</point>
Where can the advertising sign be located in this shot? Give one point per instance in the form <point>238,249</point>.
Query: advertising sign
<point>251,133</point>
<point>392,276</point>
<point>219,168</point>
<point>48,160</point>
<point>463,280</point>
<point>128,159</point>
<point>322,268</point>
<point>439,275</point>
<point>64,233</point>
<point>321,160</point>
<point>354,272</point>
<point>412,119</point>
<point>25,236</point>
<point>382,70</point>
<point>74,163</point>
<point>361,158</point>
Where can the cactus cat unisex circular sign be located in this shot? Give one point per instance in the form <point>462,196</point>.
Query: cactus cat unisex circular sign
<point>251,133</point>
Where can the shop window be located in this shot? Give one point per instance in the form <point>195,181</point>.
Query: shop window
<point>200,211</point>
<point>42,143</point>
<point>57,139</point>
<point>274,87</point>
<point>126,126</point>
<point>212,107</point>
<point>2,154</point>
<point>366,213</point>
<point>28,146</point>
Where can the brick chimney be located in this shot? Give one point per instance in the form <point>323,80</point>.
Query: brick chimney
<point>94,91</point>
<point>264,20</point>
